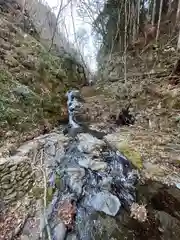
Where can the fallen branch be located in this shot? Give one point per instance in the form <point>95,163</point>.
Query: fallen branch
<point>45,197</point>
<point>40,168</point>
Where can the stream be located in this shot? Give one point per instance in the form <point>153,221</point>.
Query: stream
<point>94,189</point>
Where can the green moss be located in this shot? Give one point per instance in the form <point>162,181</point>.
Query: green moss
<point>47,82</point>
<point>37,192</point>
<point>131,154</point>
<point>52,190</point>
<point>58,182</point>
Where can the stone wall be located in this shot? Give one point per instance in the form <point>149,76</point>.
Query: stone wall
<point>16,177</point>
<point>19,172</point>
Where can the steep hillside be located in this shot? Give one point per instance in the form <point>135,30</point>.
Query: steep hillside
<point>32,81</point>
<point>143,76</point>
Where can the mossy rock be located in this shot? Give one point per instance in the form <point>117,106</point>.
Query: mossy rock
<point>132,155</point>
<point>37,192</point>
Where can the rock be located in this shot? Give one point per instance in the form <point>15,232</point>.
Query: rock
<point>153,170</point>
<point>106,202</point>
<point>59,154</point>
<point>113,76</point>
<point>88,143</point>
<point>168,223</point>
<point>50,148</point>
<point>60,231</point>
<point>71,237</point>
<point>29,63</point>
<point>88,162</point>
<point>76,175</point>
<point>11,61</point>
<point>24,237</point>
<point>106,183</point>
<point>22,90</point>
<point>10,197</point>
<point>131,154</point>
<point>118,141</point>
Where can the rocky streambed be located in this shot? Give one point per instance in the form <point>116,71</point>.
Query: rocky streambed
<point>94,178</point>
<point>84,188</point>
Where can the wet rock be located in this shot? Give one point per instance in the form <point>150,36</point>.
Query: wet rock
<point>106,202</point>
<point>60,231</point>
<point>106,183</point>
<point>124,147</point>
<point>92,164</point>
<point>59,154</point>
<point>88,143</point>
<point>76,175</point>
<point>72,237</point>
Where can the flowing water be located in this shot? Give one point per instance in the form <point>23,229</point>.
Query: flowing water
<point>100,185</point>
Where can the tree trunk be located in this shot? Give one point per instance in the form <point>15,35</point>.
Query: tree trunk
<point>159,20</point>
<point>125,43</point>
<point>138,14</point>
<point>177,23</point>
<point>153,12</point>
<point>177,13</point>
<point>134,19</point>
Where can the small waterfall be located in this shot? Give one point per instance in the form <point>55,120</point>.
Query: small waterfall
<point>96,175</point>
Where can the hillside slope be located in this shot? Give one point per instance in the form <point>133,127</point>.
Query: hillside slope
<point>32,82</point>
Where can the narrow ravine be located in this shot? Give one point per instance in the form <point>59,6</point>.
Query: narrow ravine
<point>91,190</point>
<point>98,188</point>
<point>95,178</point>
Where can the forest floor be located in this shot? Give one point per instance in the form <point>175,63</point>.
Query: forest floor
<point>155,103</point>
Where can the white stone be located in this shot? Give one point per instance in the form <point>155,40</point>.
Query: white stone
<point>92,164</point>
<point>60,231</point>
<point>75,182</point>
<point>88,143</point>
<point>106,202</point>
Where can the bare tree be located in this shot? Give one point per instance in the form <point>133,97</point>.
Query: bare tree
<point>178,13</point>
<point>159,20</point>
<point>61,7</point>
<point>177,21</point>
<point>138,14</point>
<point>125,41</point>
<point>153,12</point>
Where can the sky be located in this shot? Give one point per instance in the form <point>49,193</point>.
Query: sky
<point>89,49</point>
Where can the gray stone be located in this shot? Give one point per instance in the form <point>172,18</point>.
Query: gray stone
<point>13,168</point>
<point>60,231</point>
<point>6,178</point>
<point>22,90</point>
<point>72,237</point>
<point>106,183</point>
<point>50,149</point>
<point>24,237</point>
<point>10,197</point>
<point>75,182</point>
<point>88,143</point>
<point>9,191</point>
<point>92,164</point>
<point>106,202</point>
<point>6,186</point>
<point>59,154</point>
